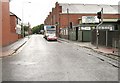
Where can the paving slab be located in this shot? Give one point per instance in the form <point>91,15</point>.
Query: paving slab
<point>12,48</point>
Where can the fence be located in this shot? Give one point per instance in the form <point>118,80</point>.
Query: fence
<point>106,38</point>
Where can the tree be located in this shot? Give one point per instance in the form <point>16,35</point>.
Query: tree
<point>26,28</point>
<point>37,29</point>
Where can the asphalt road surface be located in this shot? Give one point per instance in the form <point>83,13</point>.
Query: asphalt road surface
<point>41,60</point>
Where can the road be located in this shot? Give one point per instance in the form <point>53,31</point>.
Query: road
<point>41,60</point>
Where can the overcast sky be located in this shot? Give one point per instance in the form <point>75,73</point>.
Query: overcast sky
<point>35,11</point>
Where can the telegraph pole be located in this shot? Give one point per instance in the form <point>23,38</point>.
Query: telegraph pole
<point>99,16</point>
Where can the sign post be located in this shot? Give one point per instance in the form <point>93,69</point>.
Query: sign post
<point>100,16</point>
<point>68,22</point>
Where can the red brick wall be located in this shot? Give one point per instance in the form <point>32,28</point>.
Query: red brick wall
<point>14,36</point>
<point>74,18</point>
<point>12,24</point>
<point>0,23</point>
<point>8,25</point>
<point>5,24</point>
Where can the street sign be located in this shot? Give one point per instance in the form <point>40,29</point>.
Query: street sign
<point>107,27</point>
<point>85,28</point>
<point>90,19</point>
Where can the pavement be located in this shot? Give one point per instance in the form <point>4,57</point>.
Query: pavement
<point>106,51</point>
<point>12,48</point>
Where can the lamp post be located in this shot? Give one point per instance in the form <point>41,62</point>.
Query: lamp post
<point>23,31</point>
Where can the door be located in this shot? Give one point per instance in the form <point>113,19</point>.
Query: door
<point>77,33</point>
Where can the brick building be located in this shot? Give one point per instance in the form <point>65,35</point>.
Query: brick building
<point>15,27</point>
<point>8,22</point>
<point>5,23</point>
<point>0,23</point>
<point>64,13</point>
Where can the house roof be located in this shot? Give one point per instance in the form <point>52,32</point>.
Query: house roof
<point>89,8</point>
<point>12,14</point>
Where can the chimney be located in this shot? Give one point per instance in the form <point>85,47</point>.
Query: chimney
<point>50,13</point>
<point>53,9</point>
<point>56,3</point>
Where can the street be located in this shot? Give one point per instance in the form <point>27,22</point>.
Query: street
<point>41,60</point>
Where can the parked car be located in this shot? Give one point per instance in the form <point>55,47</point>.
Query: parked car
<point>51,37</point>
